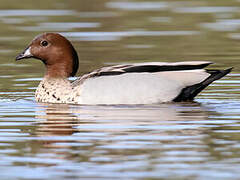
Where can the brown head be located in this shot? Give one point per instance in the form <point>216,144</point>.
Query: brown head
<point>56,52</point>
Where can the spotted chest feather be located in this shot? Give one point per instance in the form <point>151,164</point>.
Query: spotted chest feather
<point>55,91</point>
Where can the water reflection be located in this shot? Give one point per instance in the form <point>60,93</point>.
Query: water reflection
<point>138,6</point>
<point>206,9</point>
<point>35,12</point>
<point>56,120</point>
<point>160,136</point>
<point>54,26</point>
<point>111,36</point>
<point>66,119</point>
<point>223,25</point>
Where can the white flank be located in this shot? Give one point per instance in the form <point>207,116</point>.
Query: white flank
<point>187,77</point>
<point>137,88</point>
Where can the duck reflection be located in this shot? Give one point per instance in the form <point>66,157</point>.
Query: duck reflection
<point>56,119</point>
<point>83,133</point>
<point>64,119</point>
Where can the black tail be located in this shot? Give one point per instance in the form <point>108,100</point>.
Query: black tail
<point>189,92</point>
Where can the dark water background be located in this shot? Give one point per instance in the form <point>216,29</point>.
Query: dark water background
<point>167,141</point>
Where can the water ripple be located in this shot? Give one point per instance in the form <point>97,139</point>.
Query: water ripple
<point>54,26</point>
<point>36,12</point>
<point>110,36</point>
<point>206,9</point>
<point>138,6</point>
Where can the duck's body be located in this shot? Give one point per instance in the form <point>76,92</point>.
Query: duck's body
<point>122,85</point>
<point>144,83</point>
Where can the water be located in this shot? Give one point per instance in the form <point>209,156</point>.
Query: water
<point>197,140</point>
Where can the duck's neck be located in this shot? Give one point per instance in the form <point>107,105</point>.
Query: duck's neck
<point>56,71</point>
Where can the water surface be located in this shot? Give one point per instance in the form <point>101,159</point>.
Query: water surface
<point>198,140</point>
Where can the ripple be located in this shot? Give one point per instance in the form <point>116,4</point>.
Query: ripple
<point>111,36</point>
<point>10,38</point>
<point>206,9</point>
<point>54,26</point>
<point>139,46</point>
<point>160,19</point>
<point>98,14</point>
<point>138,6</point>
<point>33,12</point>
<point>28,79</point>
<point>234,35</point>
<point>223,25</point>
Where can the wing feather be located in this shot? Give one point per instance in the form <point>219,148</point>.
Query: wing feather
<point>151,67</point>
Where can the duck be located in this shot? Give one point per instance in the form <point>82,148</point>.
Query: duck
<point>137,83</point>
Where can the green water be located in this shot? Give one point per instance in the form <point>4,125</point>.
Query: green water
<point>167,141</point>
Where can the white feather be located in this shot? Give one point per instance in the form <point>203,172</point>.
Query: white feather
<point>137,88</point>
<point>187,77</point>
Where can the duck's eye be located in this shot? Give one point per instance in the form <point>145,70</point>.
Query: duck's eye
<point>44,43</point>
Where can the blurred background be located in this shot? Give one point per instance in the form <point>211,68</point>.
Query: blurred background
<point>180,141</point>
<point>109,31</point>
